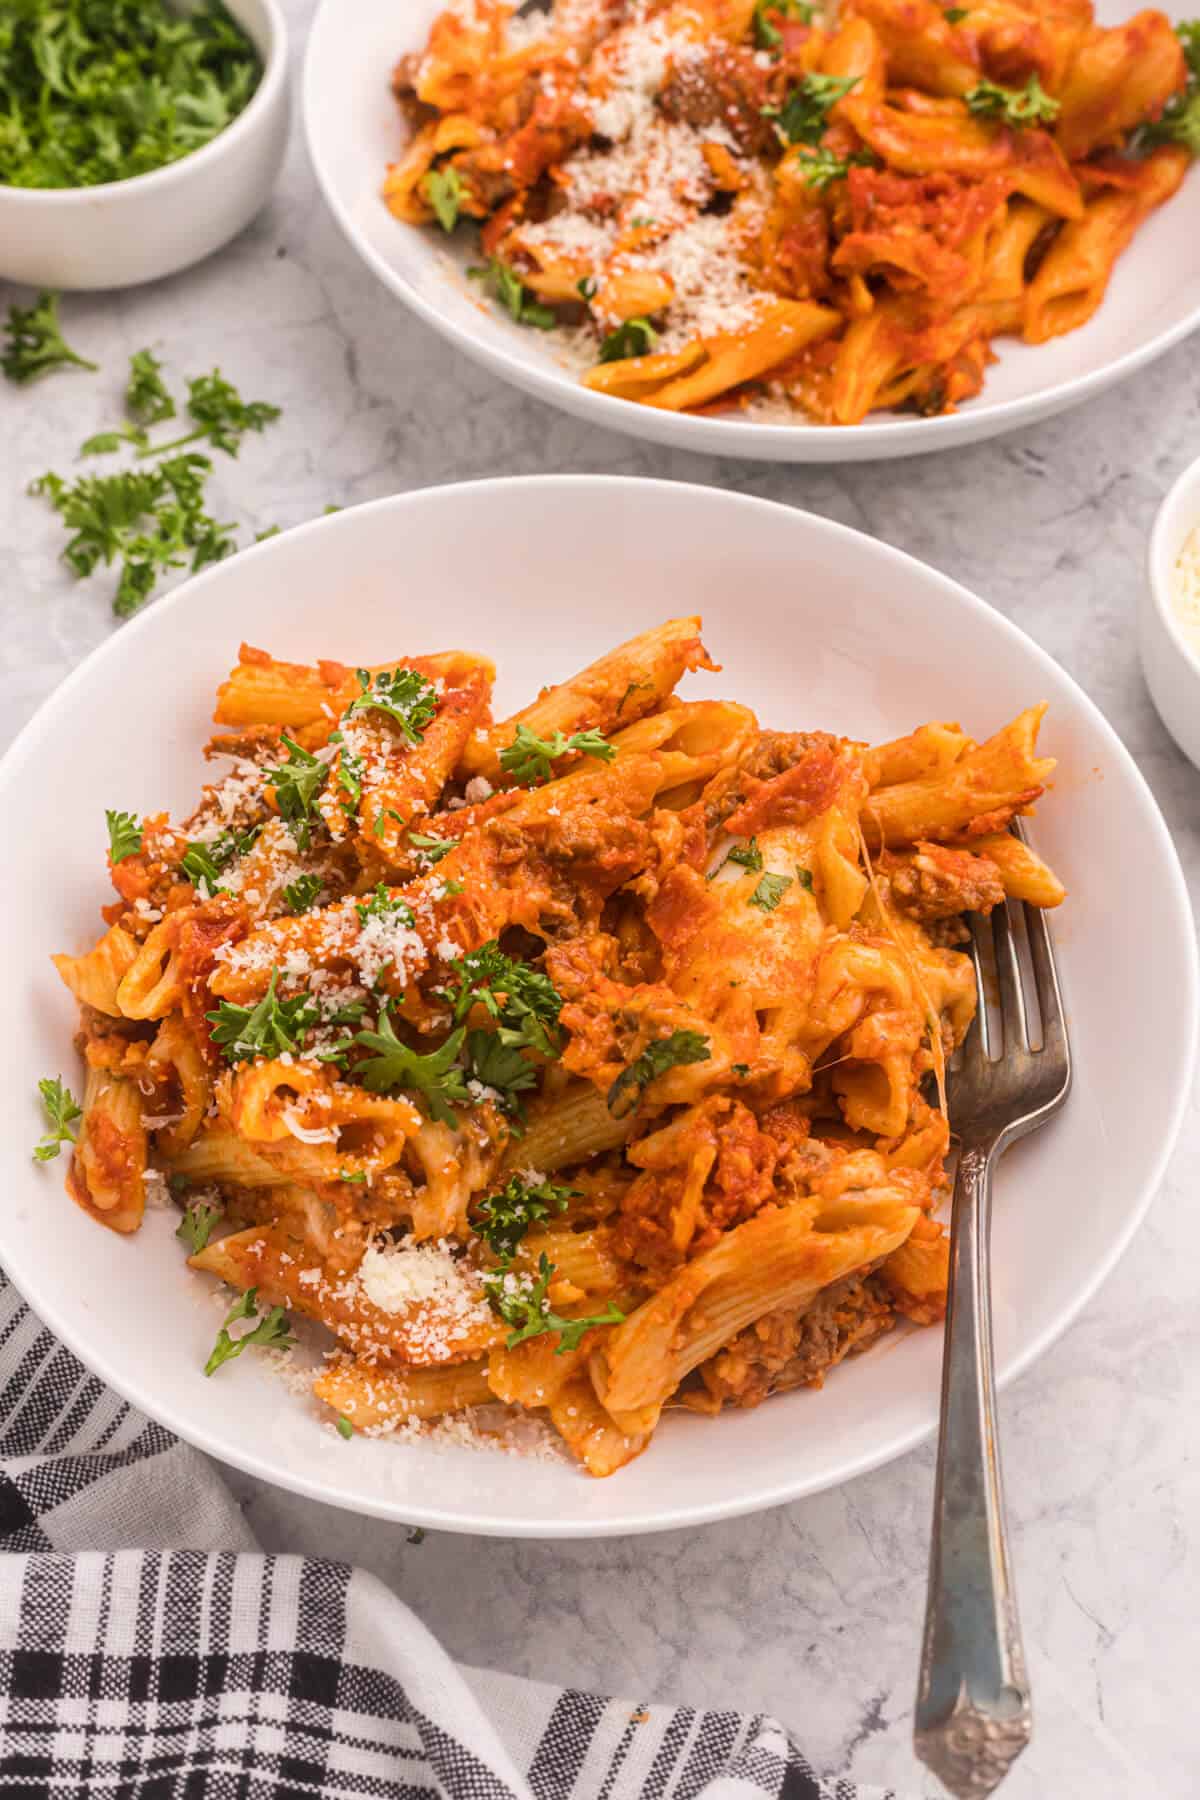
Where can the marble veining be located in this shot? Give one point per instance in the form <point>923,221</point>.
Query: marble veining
<point>813,1611</point>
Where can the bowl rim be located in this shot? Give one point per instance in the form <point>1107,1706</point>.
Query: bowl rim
<point>244,1457</point>
<point>1167,539</point>
<point>274,75</point>
<point>715,436</point>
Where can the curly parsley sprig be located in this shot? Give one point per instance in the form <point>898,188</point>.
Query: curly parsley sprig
<point>503,1219</point>
<point>270,1333</point>
<point>523,1303</point>
<point>62,1110</point>
<point>530,759</point>
<point>1018,107</point>
<point>406,697</point>
<point>35,344</point>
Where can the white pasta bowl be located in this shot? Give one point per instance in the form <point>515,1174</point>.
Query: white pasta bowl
<point>354,130</point>
<point>816,626</point>
<point>1170,664</point>
<point>122,233</point>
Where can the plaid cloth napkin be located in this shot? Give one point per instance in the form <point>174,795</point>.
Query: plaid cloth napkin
<point>149,1651</point>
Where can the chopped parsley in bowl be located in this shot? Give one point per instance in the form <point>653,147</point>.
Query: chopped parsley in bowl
<point>96,91</point>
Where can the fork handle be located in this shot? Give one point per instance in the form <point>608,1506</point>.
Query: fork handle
<point>972,1714</point>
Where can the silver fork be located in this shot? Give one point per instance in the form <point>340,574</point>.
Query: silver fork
<point>973,1715</point>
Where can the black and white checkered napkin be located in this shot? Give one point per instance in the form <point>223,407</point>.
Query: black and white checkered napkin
<point>148,1651</point>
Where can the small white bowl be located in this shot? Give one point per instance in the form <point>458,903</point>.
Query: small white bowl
<point>1171,666</point>
<point>121,233</point>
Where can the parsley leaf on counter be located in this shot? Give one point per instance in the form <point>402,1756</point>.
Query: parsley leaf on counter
<point>659,1056</point>
<point>146,397</point>
<point>61,1110</point>
<point>99,90</point>
<point>270,1333</point>
<point>124,835</point>
<point>221,415</point>
<point>529,759</point>
<point>35,341</point>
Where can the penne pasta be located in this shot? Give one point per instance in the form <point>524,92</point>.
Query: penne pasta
<point>576,1087</point>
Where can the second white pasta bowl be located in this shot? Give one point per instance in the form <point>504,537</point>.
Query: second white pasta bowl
<point>816,626</point>
<point>354,131</point>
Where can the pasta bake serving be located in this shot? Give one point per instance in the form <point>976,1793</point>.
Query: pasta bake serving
<point>786,206</point>
<point>589,1062</point>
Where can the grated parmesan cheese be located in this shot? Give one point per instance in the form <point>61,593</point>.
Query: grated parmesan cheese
<point>395,1277</point>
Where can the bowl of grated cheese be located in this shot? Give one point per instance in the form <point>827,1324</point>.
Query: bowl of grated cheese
<point>1169,626</point>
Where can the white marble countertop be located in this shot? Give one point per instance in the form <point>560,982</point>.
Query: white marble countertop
<point>813,1611</point>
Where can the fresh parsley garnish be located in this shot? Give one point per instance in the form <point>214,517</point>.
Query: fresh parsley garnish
<point>344,1427</point>
<point>819,166</point>
<point>268,1028</point>
<point>99,90</point>
<point>954,15</point>
<point>300,894</point>
<point>35,343</point>
<point>61,1110</point>
<point>587,287</point>
<point>384,904</point>
<point>503,1219</point>
<point>208,862</point>
<point>659,1056</point>
<point>635,337</point>
<point>507,287</point>
<point>433,848</point>
<point>402,695</point>
<point>149,520</point>
<point>767,34</point>
<point>522,1303</point>
<point>1030,105</point>
<point>124,836</point>
<point>270,1333</point>
<point>1179,122</point>
<point>770,891</point>
<point>297,783</point>
<point>530,759</point>
<point>221,416</point>
<point>147,399</point>
<point>740,1069</point>
<point>499,1066</point>
<point>805,113</point>
<point>524,1002</point>
<point>350,771</point>
<point>437,1077</point>
<point>196,1226</point>
<point>805,878</point>
<point>748,856</point>
<point>356,1175</point>
<point>444,190</point>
